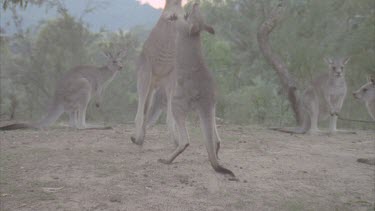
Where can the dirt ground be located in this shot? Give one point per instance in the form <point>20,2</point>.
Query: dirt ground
<point>67,169</point>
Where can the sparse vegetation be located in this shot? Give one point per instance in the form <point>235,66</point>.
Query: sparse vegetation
<point>309,31</point>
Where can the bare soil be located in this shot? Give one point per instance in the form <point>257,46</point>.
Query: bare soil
<point>67,169</point>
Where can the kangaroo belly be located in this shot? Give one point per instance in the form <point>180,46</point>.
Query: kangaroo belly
<point>75,93</point>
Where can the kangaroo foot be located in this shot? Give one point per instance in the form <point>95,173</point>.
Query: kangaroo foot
<point>164,161</point>
<point>135,141</point>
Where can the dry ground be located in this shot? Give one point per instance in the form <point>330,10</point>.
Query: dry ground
<point>66,169</point>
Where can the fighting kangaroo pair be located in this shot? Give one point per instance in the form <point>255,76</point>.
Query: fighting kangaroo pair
<point>74,91</point>
<point>172,66</point>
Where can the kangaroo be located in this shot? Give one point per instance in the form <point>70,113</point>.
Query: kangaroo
<point>158,104</point>
<point>193,88</point>
<point>154,71</point>
<point>74,91</point>
<point>366,94</point>
<point>324,96</point>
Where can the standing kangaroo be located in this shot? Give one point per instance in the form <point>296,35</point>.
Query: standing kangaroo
<point>74,91</point>
<point>366,94</point>
<point>324,96</point>
<point>193,88</point>
<point>154,70</point>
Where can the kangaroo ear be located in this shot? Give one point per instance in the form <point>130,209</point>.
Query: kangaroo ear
<point>194,29</point>
<point>209,29</point>
<point>346,60</point>
<point>328,60</point>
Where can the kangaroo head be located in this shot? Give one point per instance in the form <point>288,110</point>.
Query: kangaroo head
<point>172,6</point>
<point>336,66</point>
<point>114,61</point>
<point>172,3</point>
<point>196,21</point>
<point>367,92</point>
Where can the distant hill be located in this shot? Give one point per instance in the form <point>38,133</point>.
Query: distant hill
<point>112,15</point>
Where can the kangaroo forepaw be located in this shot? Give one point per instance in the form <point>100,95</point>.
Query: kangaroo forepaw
<point>164,161</point>
<point>173,17</point>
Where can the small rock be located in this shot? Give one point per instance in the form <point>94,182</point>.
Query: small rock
<point>114,199</point>
<point>233,179</point>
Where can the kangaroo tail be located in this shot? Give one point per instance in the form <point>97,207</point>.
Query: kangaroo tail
<point>18,126</point>
<point>369,161</point>
<point>54,112</point>
<point>297,130</point>
<point>300,129</point>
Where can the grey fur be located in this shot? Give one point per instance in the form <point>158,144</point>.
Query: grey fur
<point>325,96</point>
<point>193,88</point>
<point>366,94</point>
<point>73,93</point>
<point>322,98</point>
<point>155,68</point>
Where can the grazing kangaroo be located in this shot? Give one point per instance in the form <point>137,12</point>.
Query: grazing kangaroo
<point>324,96</point>
<point>367,95</point>
<point>193,88</point>
<point>74,91</point>
<point>154,70</point>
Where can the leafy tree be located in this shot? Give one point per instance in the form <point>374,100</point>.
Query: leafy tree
<point>309,31</point>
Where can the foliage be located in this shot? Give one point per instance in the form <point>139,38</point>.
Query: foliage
<point>252,104</point>
<point>310,31</point>
<point>249,92</point>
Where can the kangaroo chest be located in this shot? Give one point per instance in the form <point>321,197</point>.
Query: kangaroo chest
<point>159,49</point>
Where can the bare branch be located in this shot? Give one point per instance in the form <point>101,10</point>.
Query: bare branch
<point>287,81</point>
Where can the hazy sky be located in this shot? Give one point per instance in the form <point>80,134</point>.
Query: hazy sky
<point>156,3</point>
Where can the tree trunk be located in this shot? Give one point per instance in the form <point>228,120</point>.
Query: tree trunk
<point>287,81</point>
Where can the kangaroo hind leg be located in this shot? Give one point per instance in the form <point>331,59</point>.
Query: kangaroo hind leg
<point>208,127</point>
<point>73,118</point>
<point>144,91</point>
<point>179,116</point>
<point>216,137</point>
